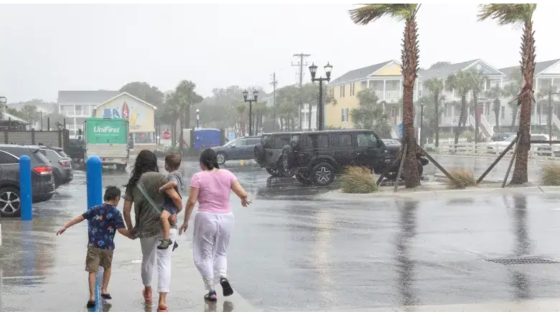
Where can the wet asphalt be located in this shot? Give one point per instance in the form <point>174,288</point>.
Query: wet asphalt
<point>302,248</point>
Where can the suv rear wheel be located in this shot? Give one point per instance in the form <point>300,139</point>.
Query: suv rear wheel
<point>10,202</point>
<point>323,174</point>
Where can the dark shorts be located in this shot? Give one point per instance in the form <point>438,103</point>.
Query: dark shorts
<point>98,257</point>
<point>169,207</point>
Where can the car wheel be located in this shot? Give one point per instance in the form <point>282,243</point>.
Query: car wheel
<point>221,157</point>
<point>273,171</point>
<point>323,174</point>
<point>10,202</point>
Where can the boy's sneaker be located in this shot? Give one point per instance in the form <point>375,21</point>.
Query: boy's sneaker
<point>175,245</point>
<point>164,244</point>
<point>226,287</point>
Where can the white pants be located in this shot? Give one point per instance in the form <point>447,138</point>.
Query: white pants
<point>151,256</point>
<point>210,242</point>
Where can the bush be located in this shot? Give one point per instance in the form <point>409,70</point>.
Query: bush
<point>465,178</point>
<point>551,175</point>
<point>358,180</point>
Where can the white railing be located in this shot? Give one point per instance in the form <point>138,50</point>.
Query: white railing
<point>538,151</point>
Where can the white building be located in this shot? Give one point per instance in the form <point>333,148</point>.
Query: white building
<point>79,105</point>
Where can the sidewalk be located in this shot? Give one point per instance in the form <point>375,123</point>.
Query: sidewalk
<point>59,282</point>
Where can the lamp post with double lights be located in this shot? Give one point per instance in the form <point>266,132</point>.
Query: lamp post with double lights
<point>320,109</point>
<point>250,101</point>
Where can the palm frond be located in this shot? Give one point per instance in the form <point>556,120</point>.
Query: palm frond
<point>507,13</point>
<point>371,12</point>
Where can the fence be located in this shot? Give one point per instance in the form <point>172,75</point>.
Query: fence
<point>57,138</point>
<point>539,151</point>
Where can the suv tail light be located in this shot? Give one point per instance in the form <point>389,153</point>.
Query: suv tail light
<point>43,170</point>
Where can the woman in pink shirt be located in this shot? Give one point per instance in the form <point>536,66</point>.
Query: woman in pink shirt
<point>213,222</point>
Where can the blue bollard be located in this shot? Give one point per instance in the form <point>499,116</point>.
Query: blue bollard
<point>25,187</point>
<point>94,181</point>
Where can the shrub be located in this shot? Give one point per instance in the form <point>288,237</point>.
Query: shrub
<point>551,175</point>
<point>465,178</point>
<point>358,180</point>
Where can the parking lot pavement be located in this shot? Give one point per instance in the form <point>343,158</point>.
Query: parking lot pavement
<point>300,248</point>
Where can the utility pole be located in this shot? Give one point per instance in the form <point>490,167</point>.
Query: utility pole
<point>274,110</point>
<point>301,63</point>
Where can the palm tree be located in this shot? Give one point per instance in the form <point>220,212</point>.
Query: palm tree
<point>410,55</point>
<point>494,94</point>
<point>512,90</point>
<point>476,82</point>
<point>460,82</point>
<point>519,13</point>
<point>182,100</point>
<point>435,86</point>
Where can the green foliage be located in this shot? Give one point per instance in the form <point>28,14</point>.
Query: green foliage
<point>507,13</point>
<point>144,91</point>
<point>358,180</point>
<point>551,175</point>
<point>464,178</point>
<point>371,12</point>
<point>370,114</point>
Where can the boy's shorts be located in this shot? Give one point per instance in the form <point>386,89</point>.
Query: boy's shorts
<point>98,257</point>
<point>170,207</point>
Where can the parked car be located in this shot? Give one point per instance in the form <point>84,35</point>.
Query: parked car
<point>498,147</point>
<point>501,136</point>
<point>42,180</point>
<point>316,157</point>
<point>237,149</point>
<point>61,163</point>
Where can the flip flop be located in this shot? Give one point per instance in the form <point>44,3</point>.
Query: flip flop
<point>211,296</point>
<point>162,308</point>
<point>90,304</point>
<point>226,287</point>
<point>106,296</point>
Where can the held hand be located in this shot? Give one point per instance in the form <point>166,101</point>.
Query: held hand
<point>183,228</point>
<point>61,231</point>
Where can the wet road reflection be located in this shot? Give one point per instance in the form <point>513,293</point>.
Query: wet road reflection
<point>405,264</point>
<point>520,280</point>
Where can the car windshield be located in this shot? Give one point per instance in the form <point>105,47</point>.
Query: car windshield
<point>230,143</point>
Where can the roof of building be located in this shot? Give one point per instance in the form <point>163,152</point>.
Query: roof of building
<point>8,116</point>
<point>125,94</point>
<point>85,97</point>
<point>539,67</point>
<point>360,73</point>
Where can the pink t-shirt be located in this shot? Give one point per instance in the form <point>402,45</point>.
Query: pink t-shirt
<point>213,190</point>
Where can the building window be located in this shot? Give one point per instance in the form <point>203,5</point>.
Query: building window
<point>68,110</point>
<point>344,114</point>
<point>343,90</point>
<point>352,88</point>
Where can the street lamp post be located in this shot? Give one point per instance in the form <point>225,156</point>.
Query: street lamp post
<point>250,101</point>
<point>197,118</point>
<point>320,109</point>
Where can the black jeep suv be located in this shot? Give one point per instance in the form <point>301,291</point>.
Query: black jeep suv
<point>315,157</point>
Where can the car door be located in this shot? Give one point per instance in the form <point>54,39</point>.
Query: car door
<point>248,151</point>
<point>9,167</point>
<point>341,147</point>
<point>234,149</point>
<point>368,150</point>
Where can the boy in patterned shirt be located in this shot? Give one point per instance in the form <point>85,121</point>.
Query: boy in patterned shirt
<point>103,221</point>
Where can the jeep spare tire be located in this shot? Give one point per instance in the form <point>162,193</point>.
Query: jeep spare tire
<point>323,174</point>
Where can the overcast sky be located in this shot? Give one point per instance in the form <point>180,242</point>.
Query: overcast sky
<point>45,48</point>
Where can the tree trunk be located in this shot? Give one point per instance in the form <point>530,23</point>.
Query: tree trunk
<point>461,118</point>
<point>527,69</point>
<point>436,102</point>
<point>409,71</point>
<point>476,118</point>
<point>497,109</point>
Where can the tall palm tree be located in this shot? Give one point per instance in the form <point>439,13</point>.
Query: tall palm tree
<point>460,82</point>
<point>182,99</point>
<point>512,90</point>
<point>494,94</point>
<point>476,81</point>
<point>410,55</point>
<point>435,86</point>
<point>519,13</point>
